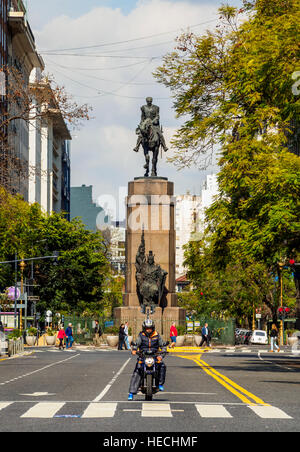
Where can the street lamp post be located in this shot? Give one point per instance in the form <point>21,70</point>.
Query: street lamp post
<point>280,266</point>
<point>55,256</point>
<point>22,266</point>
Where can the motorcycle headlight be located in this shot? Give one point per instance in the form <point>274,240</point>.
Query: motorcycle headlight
<point>149,362</point>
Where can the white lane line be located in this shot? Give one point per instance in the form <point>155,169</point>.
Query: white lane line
<point>271,362</point>
<point>186,393</point>
<point>4,405</point>
<point>98,410</point>
<point>38,370</point>
<point>269,412</point>
<point>213,411</point>
<point>107,387</point>
<point>156,410</point>
<point>43,410</point>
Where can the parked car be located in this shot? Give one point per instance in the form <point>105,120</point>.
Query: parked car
<point>240,336</point>
<point>259,337</point>
<point>247,337</point>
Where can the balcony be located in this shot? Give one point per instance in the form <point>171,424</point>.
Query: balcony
<point>20,27</point>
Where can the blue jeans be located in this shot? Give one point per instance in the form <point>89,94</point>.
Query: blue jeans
<point>127,343</point>
<point>273,343</point>
<point>69,341</point>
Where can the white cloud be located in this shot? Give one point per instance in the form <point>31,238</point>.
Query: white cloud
<point>102,153</point>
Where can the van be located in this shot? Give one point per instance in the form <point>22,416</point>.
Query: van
<point>259,337</point>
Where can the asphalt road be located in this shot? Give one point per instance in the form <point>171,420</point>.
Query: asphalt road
<point>86,391</point>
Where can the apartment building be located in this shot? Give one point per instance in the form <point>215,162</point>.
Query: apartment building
<point>187,225</point>
<point>38,149</point>
<point>190,219</point>
<point>23,56</point>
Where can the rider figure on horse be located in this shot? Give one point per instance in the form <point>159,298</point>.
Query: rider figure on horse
<point>150,111</point>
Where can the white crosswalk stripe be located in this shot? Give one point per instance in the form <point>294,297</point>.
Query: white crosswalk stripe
<point>156,410</point>
<point>44,410</point>
<point>213,411</point>
<point>99,410</point>
<point>4,405</point>
<point>269,412</point>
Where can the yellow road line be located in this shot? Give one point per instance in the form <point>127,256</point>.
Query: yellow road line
<point>187,350</point>
<point>230,385</point>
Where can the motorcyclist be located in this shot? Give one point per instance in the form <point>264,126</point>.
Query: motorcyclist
<point>148,339</point>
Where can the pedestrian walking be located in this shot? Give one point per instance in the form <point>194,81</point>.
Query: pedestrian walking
<point>274,337</point>
<point>121,337</point>
<point>205,335</point>
<point>173,334</point>
<point>61,336</point>
<point>126,331</point>
<point>97,334</point>
<point>69,334</point>
<point>1,327</point>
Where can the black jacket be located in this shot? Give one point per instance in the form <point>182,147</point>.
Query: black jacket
<point>121,334</point>
<point>98,330</point>
<point>152,342</point>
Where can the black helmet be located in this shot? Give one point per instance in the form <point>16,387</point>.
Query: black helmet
<point>148,323</point>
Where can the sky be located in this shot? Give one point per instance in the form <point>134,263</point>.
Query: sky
<point>104,53</point>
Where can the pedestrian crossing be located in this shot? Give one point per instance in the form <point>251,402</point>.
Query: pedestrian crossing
<point>102,410</point>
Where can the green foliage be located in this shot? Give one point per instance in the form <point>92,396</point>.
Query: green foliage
<point>15,334</point>
<point>112,330</point>
<point>181,330</point>
<point>31,331</point>
<point>233,88</point>
<point>113,294</point>
<point>76,284</point>
<point>51,332</point>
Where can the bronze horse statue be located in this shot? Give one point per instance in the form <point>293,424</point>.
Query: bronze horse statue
<point>151,141</point>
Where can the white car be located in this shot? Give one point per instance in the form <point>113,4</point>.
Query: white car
<point>259,337</point>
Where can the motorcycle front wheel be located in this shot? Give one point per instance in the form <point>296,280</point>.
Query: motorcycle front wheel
<point>149,393</point>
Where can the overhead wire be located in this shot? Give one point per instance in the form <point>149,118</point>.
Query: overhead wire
<point>103,93</point>
<point>128,40</point>
<point>100,78</point>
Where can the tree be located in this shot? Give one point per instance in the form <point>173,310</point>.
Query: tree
<point>235,86</point>
<point>235,81</point>
<point>234,290</point>
<point>77,282</point>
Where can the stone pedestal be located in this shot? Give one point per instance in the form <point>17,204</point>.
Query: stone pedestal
<point>151,207</point>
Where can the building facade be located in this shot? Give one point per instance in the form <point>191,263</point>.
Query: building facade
<point>3,33</point>
<point>209,191</point>
<point>49,157</point>
<point>19,52</point>
<point>187,225</point>
<point>83,206</point>
<point>190,219</point>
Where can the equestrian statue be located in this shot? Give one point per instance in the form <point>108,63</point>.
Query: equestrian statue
<point>150,135</point>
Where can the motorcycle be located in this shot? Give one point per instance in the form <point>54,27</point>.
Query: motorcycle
<point>150,377</point>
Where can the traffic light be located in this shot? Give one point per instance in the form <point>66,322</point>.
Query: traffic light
<point>283,312</point>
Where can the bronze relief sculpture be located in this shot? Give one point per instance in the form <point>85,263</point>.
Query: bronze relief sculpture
<point>150,278</point>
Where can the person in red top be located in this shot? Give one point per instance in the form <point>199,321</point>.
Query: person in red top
<point>173,334</point>
<point>61,335</point>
